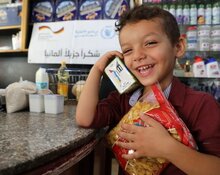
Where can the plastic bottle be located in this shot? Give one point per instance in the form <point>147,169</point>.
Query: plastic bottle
<point>41,79</point>
<point>208,13</point>
<point>216,13</point>
<point>63,77</point>
<point>192,38</point>
<point>186,14</point>
<point>179,14</point>
<point>193,14</point>
<point>172,10</point>
<point>201,14</point>
<point>212,68</point>
<point>199,69</point>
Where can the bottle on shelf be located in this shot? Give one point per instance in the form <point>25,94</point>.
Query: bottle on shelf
<point>216,12</point>
<point>41,79</point>
<point>179,13</point>
<point>208,12</point>
<point>193,13</point>
<point>199,69</point>
<point>186,13</point>
<point>201,14</point>
<point>63,80</point>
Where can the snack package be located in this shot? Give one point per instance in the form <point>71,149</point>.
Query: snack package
<point>155,105</point>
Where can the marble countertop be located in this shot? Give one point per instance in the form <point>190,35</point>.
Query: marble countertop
<point>28,140</point>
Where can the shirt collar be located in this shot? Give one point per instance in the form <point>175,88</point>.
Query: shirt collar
<point>136,94</point>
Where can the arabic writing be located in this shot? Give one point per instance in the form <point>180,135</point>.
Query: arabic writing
<point>71,54</point>
<point>86,33</point>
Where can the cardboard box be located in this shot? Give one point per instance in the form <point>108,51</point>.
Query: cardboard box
<point>10,15</point>
<point>113,9</point>
<point>66,10</point>
<point>42,11</point>
<point>90,9</point>
<point>122,79</point>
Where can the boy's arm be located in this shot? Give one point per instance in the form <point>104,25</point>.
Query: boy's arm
<point>86,107</point>
<point>88,98</point>
<point>191,161</point>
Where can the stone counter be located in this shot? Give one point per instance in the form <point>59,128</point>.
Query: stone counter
<point>28,140</point>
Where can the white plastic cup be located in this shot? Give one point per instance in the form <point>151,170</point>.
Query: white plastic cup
<point>54,103</point>
<point>36,103</point>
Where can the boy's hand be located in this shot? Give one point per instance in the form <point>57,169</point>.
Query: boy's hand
<point>102,61</point>
<point>152,141</point>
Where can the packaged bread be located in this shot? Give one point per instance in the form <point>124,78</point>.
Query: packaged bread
<point>155,105</point>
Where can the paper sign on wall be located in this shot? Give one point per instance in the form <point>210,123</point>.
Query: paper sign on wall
<point>76,42</point>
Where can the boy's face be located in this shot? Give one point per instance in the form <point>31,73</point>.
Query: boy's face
<point>148,52</point>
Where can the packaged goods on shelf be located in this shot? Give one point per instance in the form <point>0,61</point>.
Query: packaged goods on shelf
<point>63,77</point>
<point>90,9</point>
<point>66,10</point>
<point>212,68</point>
<point>42,11</point>
<point>10,14</point>
<point>199,69</point>
<point>113,9</point>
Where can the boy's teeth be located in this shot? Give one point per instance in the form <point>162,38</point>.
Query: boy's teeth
<point>145,67</point>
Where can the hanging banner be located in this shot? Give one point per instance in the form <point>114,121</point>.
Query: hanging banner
<point>76,42</point>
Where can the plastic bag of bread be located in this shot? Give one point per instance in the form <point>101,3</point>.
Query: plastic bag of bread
<point>155,105</point>
<point>17,95</point>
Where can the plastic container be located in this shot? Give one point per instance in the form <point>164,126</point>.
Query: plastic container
<point>193,14</point>
<point>63,77</point>
<point>216,13</point>
<point>208,13</point>
<point>186,14</point>
<point>54,104</point>
<point>204,30</point>
<point>201,14</point>
<point>191,35</point>
<point>41,79</point>
<point>215,44</point>
<point>204,43</point>
<point>36,103</point>
<point>215,30</point>
<point>212,68</point>
<point>199,69</point>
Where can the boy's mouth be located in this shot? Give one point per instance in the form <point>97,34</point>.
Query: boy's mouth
<point>145,69</point>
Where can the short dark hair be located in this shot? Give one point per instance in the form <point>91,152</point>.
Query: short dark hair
<point>144,12</point>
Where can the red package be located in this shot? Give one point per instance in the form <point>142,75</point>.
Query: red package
<point>155,105</point>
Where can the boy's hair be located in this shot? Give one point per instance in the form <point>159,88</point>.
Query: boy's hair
<point>144,12</point>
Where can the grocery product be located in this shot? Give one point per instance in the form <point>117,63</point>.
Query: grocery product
<point>41,79</point>
<point>63,77</point>
<point>155,105</point>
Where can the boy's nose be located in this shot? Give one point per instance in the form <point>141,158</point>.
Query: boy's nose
<point>138,56</point>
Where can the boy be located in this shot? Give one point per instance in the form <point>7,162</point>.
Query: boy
<point>150,42</point>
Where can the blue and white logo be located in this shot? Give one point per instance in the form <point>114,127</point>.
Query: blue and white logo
<point>108,32</point>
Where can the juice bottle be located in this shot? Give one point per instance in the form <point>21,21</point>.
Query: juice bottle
<point>63,77</point>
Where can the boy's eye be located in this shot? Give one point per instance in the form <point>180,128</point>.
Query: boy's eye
<point>126,51</point>
<point>150,43</point>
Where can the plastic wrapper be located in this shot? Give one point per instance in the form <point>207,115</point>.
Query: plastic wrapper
<point>155,105</point>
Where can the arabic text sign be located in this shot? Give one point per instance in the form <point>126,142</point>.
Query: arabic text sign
<point>76,42</point>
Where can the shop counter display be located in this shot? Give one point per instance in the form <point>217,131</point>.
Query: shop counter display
<point>40,143</point>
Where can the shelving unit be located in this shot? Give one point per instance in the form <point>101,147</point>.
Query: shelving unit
<point>23,27</point>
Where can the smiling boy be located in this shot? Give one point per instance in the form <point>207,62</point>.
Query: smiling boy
<point>150,43</point>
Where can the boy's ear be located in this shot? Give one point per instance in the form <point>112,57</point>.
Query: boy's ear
<point>181,47</point>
